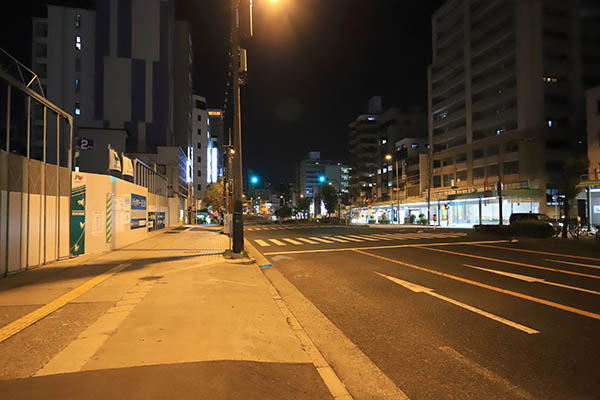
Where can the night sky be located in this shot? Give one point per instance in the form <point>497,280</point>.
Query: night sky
<point>313,65</point>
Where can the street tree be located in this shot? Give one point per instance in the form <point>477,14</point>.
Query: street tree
<point>330,197</point>
<point>303,205</point>
<point>213,196</point>
<point>283,212</point>
<point>567,178</point>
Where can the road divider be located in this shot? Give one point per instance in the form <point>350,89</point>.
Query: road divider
<point>421,289</point>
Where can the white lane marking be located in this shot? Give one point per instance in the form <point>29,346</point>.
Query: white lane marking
<point>486,373</point>
<point>335,239</point>
<point>539,252</point>
<point>349,238</point>
<point>574,263</point>
<point>262,243</point>
<point>422,289</point>
<point>318,239</point>
<point>532,279</point>
<point>277,242</point>
<point>364,237</point>
<point>292,241</point>
<point>307,241</point>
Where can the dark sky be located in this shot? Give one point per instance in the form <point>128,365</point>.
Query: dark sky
<point>313,65</point>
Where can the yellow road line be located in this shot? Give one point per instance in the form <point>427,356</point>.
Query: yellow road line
<point>541,252</point>
<point>34,316</point>
<point>562,271</point>
<point>490,287</point>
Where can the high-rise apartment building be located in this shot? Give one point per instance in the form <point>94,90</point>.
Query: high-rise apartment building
<point>506,94</point>
<point>201,146</point>
<point>314,172</point>
<point>113,67</point>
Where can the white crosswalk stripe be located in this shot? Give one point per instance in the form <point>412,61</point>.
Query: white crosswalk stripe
<point>307,240</point>
<point>373,237</point>
<point>335,239</point>
<point>364,237</point>
<point>318,239</point>
<point>292,241</point>
<point>350,238</point>
<point>277,242</point>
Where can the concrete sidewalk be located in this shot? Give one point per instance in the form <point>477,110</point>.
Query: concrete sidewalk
<point>178,321</point>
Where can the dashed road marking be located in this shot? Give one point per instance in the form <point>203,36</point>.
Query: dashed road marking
<point>307,240</point>
<point>318,239</point>
<point>262,243</point>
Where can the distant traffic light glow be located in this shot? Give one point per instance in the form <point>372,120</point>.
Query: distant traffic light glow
<point>321,178</point>
<point>254,180</point>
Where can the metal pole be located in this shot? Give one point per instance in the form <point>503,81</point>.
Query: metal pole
<point>480,213</point>
<point>28,179</point>
<point>57,186</point>
<point>589,207</point>
<point>500,202</point>
<point>238,223</point>
<point>7,181</point>
<point>397,192</point>
<point>43,190</point>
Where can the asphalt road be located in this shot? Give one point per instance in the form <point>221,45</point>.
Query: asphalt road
<point>446,315</point>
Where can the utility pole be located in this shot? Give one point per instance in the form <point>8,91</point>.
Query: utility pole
<point>238,223</point>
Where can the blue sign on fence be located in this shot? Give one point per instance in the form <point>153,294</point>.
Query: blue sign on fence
<point>138,202</point>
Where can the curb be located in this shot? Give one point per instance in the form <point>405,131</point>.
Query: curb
<point>332,381</point>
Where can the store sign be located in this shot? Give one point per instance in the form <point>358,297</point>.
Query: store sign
<point>78,198</point>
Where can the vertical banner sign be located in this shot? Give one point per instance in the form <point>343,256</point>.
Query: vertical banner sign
<point>78,215</point>
<point>138,211</point>
<point>109,199</point>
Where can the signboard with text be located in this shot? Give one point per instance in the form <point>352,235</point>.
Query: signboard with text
<point>138,211</point>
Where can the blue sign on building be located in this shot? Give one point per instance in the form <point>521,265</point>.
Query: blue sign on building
<point>138,211</point>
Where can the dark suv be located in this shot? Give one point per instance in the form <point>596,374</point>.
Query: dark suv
<point>516,217</point>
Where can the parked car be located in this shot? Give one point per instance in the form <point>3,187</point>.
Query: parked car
<point>517,217</point>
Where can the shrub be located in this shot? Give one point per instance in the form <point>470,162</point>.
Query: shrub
<point>371,220</point>
<point>412,218</point>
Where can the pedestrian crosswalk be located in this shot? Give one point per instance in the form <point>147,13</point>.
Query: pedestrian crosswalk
<point>282,227</point>
<point>373,237</point>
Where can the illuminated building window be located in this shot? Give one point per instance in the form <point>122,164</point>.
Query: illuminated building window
<point>78,42</point>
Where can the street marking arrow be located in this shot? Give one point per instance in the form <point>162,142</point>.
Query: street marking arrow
<point>422,289</point>
<point>532,279</point>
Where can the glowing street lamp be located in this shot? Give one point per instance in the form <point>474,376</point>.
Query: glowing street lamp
<point>322,178</point>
